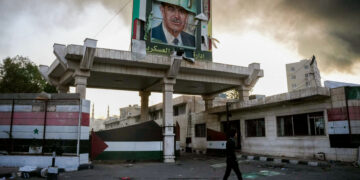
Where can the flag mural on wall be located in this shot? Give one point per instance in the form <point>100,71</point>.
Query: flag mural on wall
<point>344,117</point>
<point>138,142</point>
<point>216,142</point>
<point>33,125</point>
<point>142,141</point>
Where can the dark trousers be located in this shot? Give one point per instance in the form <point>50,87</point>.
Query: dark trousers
<point>232,164</point>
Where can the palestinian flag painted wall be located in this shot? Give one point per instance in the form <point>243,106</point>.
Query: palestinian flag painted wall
<point>138,142</point>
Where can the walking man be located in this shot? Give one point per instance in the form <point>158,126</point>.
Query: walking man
<point>231,161</point>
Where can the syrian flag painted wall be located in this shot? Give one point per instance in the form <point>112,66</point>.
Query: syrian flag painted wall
<point>216,142</point>
<point>26,123</point>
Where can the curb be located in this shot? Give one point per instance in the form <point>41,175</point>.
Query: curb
<point>284,160</point>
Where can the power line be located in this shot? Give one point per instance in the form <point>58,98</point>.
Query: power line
<point>112,18</point>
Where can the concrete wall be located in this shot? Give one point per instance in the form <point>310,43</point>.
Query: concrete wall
<point>65,123</point>
<point>69,163</point>
<point>199,144</point>
<point>182,120</point>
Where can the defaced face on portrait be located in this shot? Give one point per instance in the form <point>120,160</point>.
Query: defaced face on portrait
<point>174,18</point>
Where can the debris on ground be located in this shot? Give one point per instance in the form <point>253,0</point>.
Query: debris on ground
<point>262,173</point>
<point>27,171</point>
<point>129,165</point>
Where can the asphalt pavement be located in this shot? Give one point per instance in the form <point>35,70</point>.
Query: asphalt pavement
<point>202,167</point>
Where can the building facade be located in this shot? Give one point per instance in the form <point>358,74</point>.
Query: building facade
<point>298,124</point>
<point>128,116</point>
<point>303,74</point>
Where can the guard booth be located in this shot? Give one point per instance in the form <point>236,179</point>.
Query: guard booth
<point>88,66</point>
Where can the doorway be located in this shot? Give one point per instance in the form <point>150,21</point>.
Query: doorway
<point>234,124</point>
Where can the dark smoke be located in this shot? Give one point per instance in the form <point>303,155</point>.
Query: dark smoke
<point>327,28</point>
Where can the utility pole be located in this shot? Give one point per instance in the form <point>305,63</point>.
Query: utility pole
<point>92,115</point>
<point>108,112</point>
<point>228,115</point>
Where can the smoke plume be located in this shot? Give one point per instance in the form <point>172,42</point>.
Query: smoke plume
<point>327,28</point>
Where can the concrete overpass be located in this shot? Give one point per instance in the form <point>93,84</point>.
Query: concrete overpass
<point>86,65</point>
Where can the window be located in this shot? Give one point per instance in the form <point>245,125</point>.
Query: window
<point>159,114</point>
<point>292,69</point>
<point>293,85</point>
<point>309,124</point>
<point>182,109</point>
<point>200,130</point>
<point>176,110</point>
<point>306,66</point>
<point>308,84</point>
<point>179,109</point>
<point>152,115</point>
<point>306,75</point>
<point>317,124</point>
<point>293,77</point>
<point>255,128</point>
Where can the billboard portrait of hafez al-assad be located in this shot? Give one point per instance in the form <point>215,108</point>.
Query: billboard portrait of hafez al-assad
<point>171,30</point>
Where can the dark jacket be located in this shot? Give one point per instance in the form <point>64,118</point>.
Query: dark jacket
<point>157,34</point>
<point>230,150</point>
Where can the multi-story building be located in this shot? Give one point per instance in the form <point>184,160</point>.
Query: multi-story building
<point>128,116</point>
<point>97,124</point>
<point>303,74</point>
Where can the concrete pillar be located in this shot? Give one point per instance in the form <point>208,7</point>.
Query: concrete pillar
<point>168,121</point>
<point>80,85</point>
<point>62,89</point>
<point>244,93</point>
<point>209,101</point>
<point>144,116</point>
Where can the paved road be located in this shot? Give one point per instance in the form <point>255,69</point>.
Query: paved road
<point>201,167</point>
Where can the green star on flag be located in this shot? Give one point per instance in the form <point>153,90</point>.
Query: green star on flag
<point>36,131</point>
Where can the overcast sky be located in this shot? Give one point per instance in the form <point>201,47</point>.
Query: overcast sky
<point>270,32</point>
